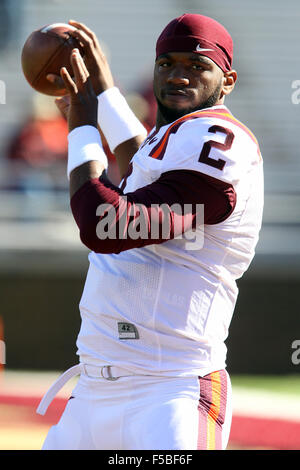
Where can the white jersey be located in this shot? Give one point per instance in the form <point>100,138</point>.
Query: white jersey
<point>165,309</point>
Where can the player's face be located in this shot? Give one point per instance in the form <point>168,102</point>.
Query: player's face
<point>185,82</point>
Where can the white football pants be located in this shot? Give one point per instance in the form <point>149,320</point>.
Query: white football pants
<point>145,413</point>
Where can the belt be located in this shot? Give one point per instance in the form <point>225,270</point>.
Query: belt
<point>105,372</point>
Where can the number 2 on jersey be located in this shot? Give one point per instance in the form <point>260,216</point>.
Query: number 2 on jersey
<point>204,155</point>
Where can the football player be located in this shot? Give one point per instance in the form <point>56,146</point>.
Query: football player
<point>167,246</point>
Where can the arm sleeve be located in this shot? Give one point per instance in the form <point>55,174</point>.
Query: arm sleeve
<point>100,205</point>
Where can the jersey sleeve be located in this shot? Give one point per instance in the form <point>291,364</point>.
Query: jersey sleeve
<point>221,149</point>
<point>150,208</point>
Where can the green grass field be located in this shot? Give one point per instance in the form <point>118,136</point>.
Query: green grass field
<point>285,384</point>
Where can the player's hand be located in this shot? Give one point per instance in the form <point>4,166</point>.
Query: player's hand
<point>83,106</point>
<point>94,58</point>
<point>63,104</point>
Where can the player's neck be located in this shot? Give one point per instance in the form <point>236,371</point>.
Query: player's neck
<point>162,121</point>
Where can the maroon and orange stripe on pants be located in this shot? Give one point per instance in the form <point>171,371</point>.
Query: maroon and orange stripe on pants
<point>214,412</point>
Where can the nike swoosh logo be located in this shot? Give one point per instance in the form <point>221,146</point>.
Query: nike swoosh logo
<point>199,49</point>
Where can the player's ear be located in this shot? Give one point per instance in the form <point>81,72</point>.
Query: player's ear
<point>229,81</point>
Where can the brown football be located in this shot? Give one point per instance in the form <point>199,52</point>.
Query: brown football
<point>45,51</point>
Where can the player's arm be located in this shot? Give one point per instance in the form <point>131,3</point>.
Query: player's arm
<point>123,131</point>
<point>110,221</point>
<point>89,191</point>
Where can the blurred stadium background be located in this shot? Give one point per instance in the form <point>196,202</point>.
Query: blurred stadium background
<point>42,263</point>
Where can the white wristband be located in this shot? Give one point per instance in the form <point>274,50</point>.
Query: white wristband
<point>116,120</point>
<point>84,145</point>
